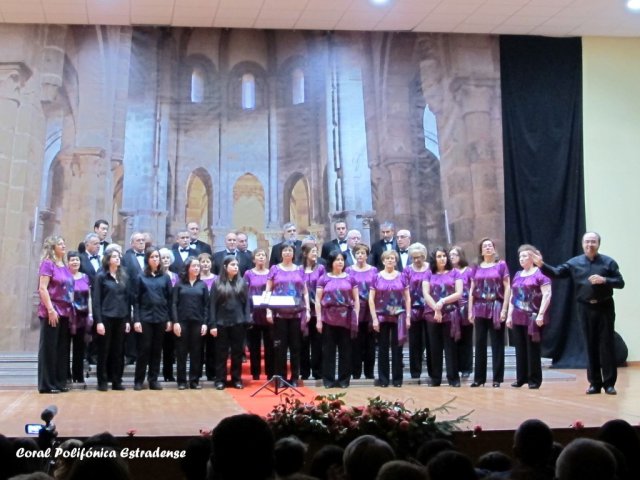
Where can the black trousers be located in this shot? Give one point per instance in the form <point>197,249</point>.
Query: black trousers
<point>439,340</point>
<point>598,326</point>
<point>528,361</point>
<point>311,352</point>
<point>483,328</point>
<point>464,348</point>
<point>388,342</point>
<point>363,351</point>
<point>149,351</point>
<point>189,343</point>
<point>78,346</point>
<point>418,348</point>
<point>230,342</point>
<point>257,336</point>
<point>53,355</point>
<point>336,337</point>
<point>111,351</point>
<point>286,337</point>
<point>209,356</point>
<point>168,354</point>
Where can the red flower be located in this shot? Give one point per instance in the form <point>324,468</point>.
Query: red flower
<point>205,433</point>
<point>131,432</point>
<point>577,425</point>
<point>477,430</point>
<point>403,425</point>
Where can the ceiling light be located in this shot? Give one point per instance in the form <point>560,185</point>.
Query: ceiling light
<point>384,2</point>
<point>633,4</point>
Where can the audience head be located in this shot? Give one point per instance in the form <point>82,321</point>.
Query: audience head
<point>495,462</point>
<point>450,464</point>
<point>327,462</point>
<point>431,448</point>
<point>231,441</point>
<point>100,468</point>
<point>401,469</point>
<point>64,464</point>
<point>624,437</point>
<point>194,463</point>
<point>532,443</point>
<point>289,454</point>
<point>364,456</point>
<point>586,459</point>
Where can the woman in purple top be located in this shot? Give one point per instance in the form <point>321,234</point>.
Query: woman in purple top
<point>260,333</point>
<point>390,305</point>
<point>311,350</point>
<point>363,350</point>
<point>168,342</point>
<point>56,306</point>
<point>442,290</point>
<point>287,279</point>
<point>414,274</point>
<point>80,320</point>
<point>488,302</point>
<point>530,299</point>
<point>337,310</point>
<point>464,346</point>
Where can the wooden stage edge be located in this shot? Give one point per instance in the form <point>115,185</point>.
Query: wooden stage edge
<point>173,413</point>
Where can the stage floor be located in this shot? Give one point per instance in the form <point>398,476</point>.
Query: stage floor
<point>171,412</point>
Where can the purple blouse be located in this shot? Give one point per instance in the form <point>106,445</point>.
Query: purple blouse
<point>311,278</point>
<point>389,302</point>
<point>442,285</point>
<point>419,307</point>
<point>173,276</point>
<point>257,283</point>
<point>364,280</point>
<point>463,304</point>
<point>488,291</point>
<point>526,297</point>
<point>60,289</point>
<point>337,302</point>
<point>289,283</point>
<point>209,281</point>
<point>80,312</point>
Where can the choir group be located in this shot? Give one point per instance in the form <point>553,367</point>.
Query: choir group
<point>295,311</point>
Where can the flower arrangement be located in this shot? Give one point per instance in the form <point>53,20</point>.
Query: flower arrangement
<point>328,420</point>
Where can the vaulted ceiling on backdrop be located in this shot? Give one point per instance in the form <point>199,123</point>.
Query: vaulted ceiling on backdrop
<point>523,17</point>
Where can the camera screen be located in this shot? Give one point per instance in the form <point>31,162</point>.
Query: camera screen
<point>32,428</point>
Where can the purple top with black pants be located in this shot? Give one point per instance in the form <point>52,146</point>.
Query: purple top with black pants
<point>363,351</point>
<point>53,350</point>
<point>260,334</point>
<point>418,333</point>
<point>339,324</point>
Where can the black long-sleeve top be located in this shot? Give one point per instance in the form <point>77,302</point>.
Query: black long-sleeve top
<point>580,268</point>
<point>110,298</point>
<point>190,302</point>
<point>152,300</point>
<point>229,311</point>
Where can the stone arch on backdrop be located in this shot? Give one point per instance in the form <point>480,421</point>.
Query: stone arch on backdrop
<point>242,74</point>
<point>199,201</point>
<point>249,210</point>
<point>297,202</point>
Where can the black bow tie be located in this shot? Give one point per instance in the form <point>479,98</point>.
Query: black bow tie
<point>340,242</point>
<point>139,254</point>
<point>388,242</point>
<point>185,249</point>
<point>193,242</point>
<point>94,257</point>
<point>403,251</point>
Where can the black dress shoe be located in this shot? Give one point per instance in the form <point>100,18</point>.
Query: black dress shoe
<point>51,390</point>
<point>477,384</point>
<point>465,374</point>
<point>397,384</point>
<point>182,386</point>
<point>219,386</point>
<point>155,386</point>
<point>496,384</point>
<point>195,386</point>
<point>517,384</point>
<point>137,387</point>
<point>610,391</point>
<point>328,384</point>
<point>592,390</point>
<point>103,387</point>
<point>455,384</point>
<point>534,386</point>
<point>238,385</point>
<point>433,384</point>
<point>64,389</point>
<point>170,379</point>
<point>117,386</point>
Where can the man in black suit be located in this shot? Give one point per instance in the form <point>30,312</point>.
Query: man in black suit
<point>387,242</point>
<point>338,243</point>
<point>230,242</point>
<point>90,258</point>
<point>133,258</point>
<point>181,251</point>
<point>101,229</point>
<point>288,238</point>
<point>194,242</point>
<point>243,247</point>
<point>403,240</point>
<point>354,237</point>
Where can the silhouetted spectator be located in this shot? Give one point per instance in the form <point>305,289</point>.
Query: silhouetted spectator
<point>401,469</point>
<point>107,467</point>
<point>326,463</point>
<point>624,437</point>
<point>289,454</point>
<point>64,464</point>
<point>431,448</point>
<point>364,456</point>
<point>194,463</point>
<point>25,463</point>
<point>494,462</point>
<point>532,445</point>
<point>449,464</point>
<point>586,459</point>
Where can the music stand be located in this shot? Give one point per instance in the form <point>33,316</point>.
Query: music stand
<point>276,383</point>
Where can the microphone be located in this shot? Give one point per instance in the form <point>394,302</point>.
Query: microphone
<point>48,413</point>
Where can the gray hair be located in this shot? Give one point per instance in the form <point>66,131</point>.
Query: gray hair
<point>91,236</point>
